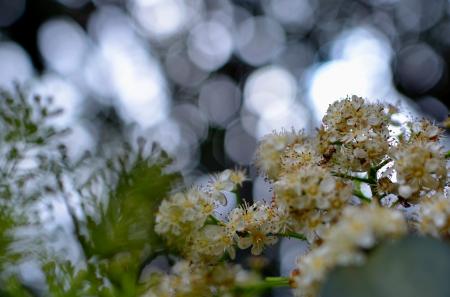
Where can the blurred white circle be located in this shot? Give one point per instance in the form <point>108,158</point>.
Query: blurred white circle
<point>62,44</point>
<point>189,116</point>
<point>161,19</point>
<point>167,135</point>
<point>269,87</point>
<point>96,76</point>
<point>296,57</point>
<point>182,70</point>
<point>250,121</point>
<point>15,64</point>
<point>220,99</point>
<point>296,13</point>
<point>419,68</point>
<point>239,145</point>
<point>418,15</point>
<point>283,117</point>
<point>359,65</point>
<point>125,69</point>
<point>210,45</point>
<point>259,40</point>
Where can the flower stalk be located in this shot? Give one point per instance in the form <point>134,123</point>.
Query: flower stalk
<point>355,178</point>
<point>290,234</point>
<point>267,283</point>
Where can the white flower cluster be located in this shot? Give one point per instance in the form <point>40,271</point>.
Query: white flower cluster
<point>434,216</point>
<point>192,280</point>
<point>359,229</point>
<point>316,177</point>
<point>283,151</point>
<point>257,225</point>
<point>317,196</point>
<point>182,214</point>
<point>354,134</point>
<point>314,198</point>
<point>186,221</point>
<point>421,168</point>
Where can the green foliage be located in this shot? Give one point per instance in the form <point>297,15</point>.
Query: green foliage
<point>14,288</point>
<point>6,225</point>
<point>124,237</point>
<point>118,239</point>
<point>412,267</point>
<point>114,227</point>
<point>23,120</point>
<point>127,225</point>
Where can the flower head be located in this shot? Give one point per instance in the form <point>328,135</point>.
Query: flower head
<point>354,134</point>
<point>420,166</point>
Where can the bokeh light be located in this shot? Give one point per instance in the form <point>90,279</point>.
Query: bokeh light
<point>360,64</point>
<point>133,76</point>
<point>162,19</point>
<point>296,15</point>
<point>220,100</point>
<point>419,67</point>
<point>15,64</point>
<point>210,45</point>
<point>62,44</point>
<point>268,88</point>
<point>259,40</point>
<point>239,145</point>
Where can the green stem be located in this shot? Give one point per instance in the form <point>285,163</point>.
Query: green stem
<point>277,281</point>
<point>382,164</point>
<point>361,196</point>
<point>212,220</point>
<point>237,192</point>
<point>372,176</point>
<point>291,234</point>
<point>351,177</point>
<point>267,283</point>
<point>447,155</point>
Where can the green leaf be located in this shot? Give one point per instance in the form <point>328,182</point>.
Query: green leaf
<point>14,288</point>
<point>127,224</point>
<point>124,238</point>
<point>412,267</point>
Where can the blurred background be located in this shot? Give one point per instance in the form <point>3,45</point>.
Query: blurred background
<point>206,79</point>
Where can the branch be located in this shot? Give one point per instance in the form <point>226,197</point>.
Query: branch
<point>351,177</point>
<point>267,283</point>
<point>361,196</point>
